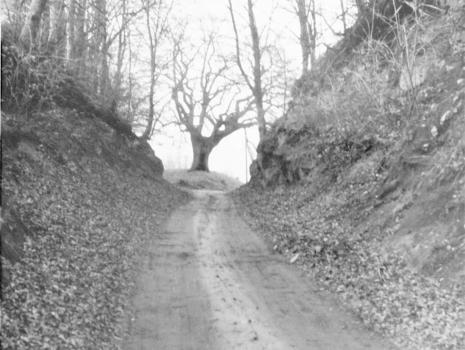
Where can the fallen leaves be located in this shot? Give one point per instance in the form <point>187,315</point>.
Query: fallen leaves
<point>318,230</point>
<point>88,229</point>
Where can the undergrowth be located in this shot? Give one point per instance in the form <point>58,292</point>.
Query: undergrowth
<point>376,92</point>
<point>28,82</point>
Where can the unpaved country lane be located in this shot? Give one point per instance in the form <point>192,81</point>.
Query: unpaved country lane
<point>209,282</point>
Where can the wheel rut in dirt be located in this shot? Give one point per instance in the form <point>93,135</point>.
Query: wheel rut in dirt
<point>209,282</point>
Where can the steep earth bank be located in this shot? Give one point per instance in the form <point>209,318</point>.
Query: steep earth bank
<point>362,182</point>
<point>80,197</point>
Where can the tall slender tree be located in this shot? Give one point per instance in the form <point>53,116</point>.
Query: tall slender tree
<point>156,16</point>
<point>255,82</point>
<point>56,27</point>
<point>80,36</point>
<point>306,13</point>
<point>121,49</point>
<point>70,30</point>
<point>31,28</point>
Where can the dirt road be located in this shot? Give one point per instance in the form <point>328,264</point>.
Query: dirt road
<point>209,282</point>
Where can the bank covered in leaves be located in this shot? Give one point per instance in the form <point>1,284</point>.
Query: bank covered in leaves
<point>81,196</point>
<point>362,183</point>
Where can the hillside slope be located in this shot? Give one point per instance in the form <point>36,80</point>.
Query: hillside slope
<point>362,182</point>
<point>81,198</point>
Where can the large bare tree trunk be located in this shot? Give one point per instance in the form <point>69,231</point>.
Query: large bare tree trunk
<point>31,28</point>
<point>201,148</point>
<point>198,114</point>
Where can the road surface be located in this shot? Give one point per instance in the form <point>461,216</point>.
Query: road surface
<point>209,282</point>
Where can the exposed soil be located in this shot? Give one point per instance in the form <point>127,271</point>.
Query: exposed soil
<point>209,282</point>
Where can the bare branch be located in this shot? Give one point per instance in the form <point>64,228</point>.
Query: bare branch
<point>238,50</point>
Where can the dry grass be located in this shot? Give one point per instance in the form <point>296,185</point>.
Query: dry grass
<point>201,180</point>
<point>377,91</point>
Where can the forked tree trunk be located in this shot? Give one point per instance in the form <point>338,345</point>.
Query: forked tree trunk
<point>201,148</point>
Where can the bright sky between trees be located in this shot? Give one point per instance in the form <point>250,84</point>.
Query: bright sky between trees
<point>279,24</point>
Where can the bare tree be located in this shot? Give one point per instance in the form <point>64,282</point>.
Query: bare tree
<point>121,50</point>
<point>254,83</point>
<point>306,12</point>
<point>80,37</point>
<point>101,15</point>
<point>343,15</point>
<point>56,26</point>
<point>70,29</point>
<point>28,37</point>
<point>215,112</point>
<point>157,25</point>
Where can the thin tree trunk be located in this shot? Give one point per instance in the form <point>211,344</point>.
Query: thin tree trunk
<point>156,22</point>
<point>313,32</point>
<point>31,28</point>
<point>105,72</point>
<point>56,25</point>
<point>95,54</point>
<point>104,80</point>
<point>80,37</point>
<point>343,15</point>
<point>153,53</point>
<point>70,31</point>
<point>256,87</point>
<point>130,82</point>
<point>304,34</point>
<point>257,72</point>
<point>122,40</point>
